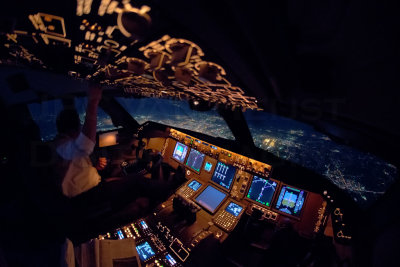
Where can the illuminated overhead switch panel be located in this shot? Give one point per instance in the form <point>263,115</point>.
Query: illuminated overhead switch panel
<point>51,28</point>
<point>110,46</point>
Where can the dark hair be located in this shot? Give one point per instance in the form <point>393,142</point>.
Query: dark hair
<point>68,120</point>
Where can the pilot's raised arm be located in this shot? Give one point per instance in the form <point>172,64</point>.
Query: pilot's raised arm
<point>89,127</point>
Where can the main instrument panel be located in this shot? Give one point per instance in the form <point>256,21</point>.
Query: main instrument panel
<point>217,174</point>
<point>221,187</point>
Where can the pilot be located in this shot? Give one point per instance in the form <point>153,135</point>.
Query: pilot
<point>80,180</point>
<point>74,145</point>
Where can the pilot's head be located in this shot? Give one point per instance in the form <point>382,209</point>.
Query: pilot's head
<point>68,123</point>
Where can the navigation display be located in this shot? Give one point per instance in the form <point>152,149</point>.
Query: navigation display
<point>145,251</point>
<point>291,200</point>
<point>195,160</point>
<point>262,190</point>
<point>210,198</point>
<point>234,209</point>
<point>223,175</point>
<point>180,152</point>
<point>194,185</point>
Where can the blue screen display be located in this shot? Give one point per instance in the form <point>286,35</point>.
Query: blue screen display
<point>234,209</point>
<point>262,190</point>
<point>170,260</point>
<point>120,234</point>
<point>291,200</point>
<point>195,160</point>
<point>194,185</point>
<point>210,198</point>
<point>208,166</point>
<point>180,152</point>
<point>145,251</point>
<point>223,175</point>
<point>143,225</point>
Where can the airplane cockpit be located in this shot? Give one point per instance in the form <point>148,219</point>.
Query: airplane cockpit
<point>282,161</point>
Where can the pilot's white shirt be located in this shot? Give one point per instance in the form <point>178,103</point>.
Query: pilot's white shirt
<point>81,175</point>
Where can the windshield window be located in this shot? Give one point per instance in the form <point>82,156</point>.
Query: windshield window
<point>364,176</point>
<point>176,114</point>
<point>104,122</point>
<point>45,114</point>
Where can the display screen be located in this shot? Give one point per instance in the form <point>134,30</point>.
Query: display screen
<point>208,166</point>
<point>180,152</point>
<point>170,260</point>
<point>291,200</point>
<point>195,160</point>
<point>120,234</point>
<point>234,209</point>
<point>194,185</point>
<point>108,139</point>
<point>262,190</point>
<point>143,225</point>
<point>223,175</point>
<point>145,251</point>
<point>210,198</point>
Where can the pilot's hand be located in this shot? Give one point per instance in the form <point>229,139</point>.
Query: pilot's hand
<point>94,93</point>
<point>101,164</point>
